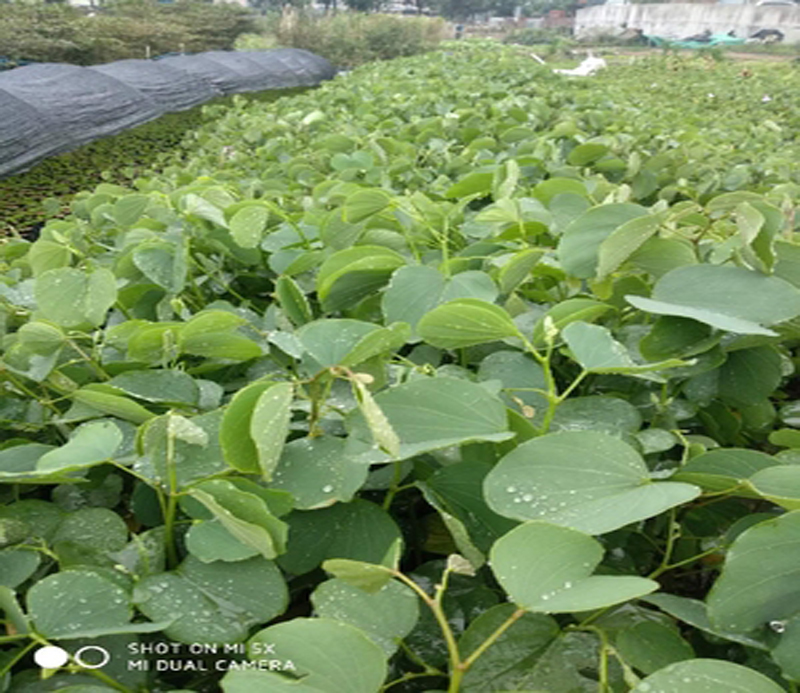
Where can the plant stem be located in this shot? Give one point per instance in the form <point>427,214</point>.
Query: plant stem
<point>486,644</point>
<point>673,532</point>
<point>172,499</point>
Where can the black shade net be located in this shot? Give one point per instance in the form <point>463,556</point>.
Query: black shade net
<point>49,108</point>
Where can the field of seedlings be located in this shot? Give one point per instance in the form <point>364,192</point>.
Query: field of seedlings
<point>451,375</point>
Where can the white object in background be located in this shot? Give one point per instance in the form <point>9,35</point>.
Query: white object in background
<point>588,67</point>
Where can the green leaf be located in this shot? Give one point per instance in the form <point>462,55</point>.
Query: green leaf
<point>649,646</point>
<point>749,376</point>
<point>728,298</point>
<point>386,616</point>
<point>364,204</point>
<point>725,468</point>
<point>778,484</point>
<point>760,581</point>
<point>597,413</point>
<point>465,322</point>
<point>237,443</point>
<point>247,226</point>
<point>112,405</point>
<point>359,531</point>
<point>624,241</point>
<point>707,676</point>
<point>352,274</point>
<point>475,183</point>
<point>580,244</point>
<point>432,413</point>
<point>785,652</point>
<point>598,352</point>
<point>676,337</point>
<point>77,603</point>
<point>518,268</point>
<point>547,568</point>
<point>46,255</point>
<point>293,301</point>
<point>40,337</point>
<point>339,342</point>
<point>128,209</point>
<point>73,298</point>
<point>369,577</point>
<point>163,263</point>
<point>269,425</point>
<point>328,656</point>
<point>585,480</point>
<point>382,432</point>
<point>245,515</point>
<point>585,154</point>
<point>98,529</point>
<point>318,473</point>
<point>93,443</point>
<point>167,386</point>
<point>16,566</point>
<point>213,602</point>
<point>209,541</point>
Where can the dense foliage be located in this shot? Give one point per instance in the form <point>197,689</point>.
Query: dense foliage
<point>473,377</point>
<point>129,29</point>
<point>348,39</point>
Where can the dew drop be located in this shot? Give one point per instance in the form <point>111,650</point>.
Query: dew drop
<point>327,489</point>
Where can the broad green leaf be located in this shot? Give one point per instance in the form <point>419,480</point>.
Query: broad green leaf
<point>707,676</point>
<point>785,652</point>
<point>248,224</point>
<point>98,529</point>
<point>658,256</point>
<point>12,610</point>
<point>580,244</point>
<point>465,322</point>
<point>475,183</point>
<point>128,209</point>
<point>547,568</point>
<point>235,438</point>
<point>245,515</point>
<point>369,577</point>
<point>213,602</point>
<point>364,204</point>
<point>598,352</point>
<point>585,480</point>
<point>779,484</point>
<point>75,603</point>
<point>724,469</point>
<point>93,443</point>
<point>518,268</point>
<point>649,646</point>
<point>113,405</point>
<point>624,241</point>
<point>728,298</point>
<point>585,154</point>
<point>46,255</point>
<point>749,376</point>
<point>40,337</point>
<point>458,488</point>
<point>386,616</point>
<point>333,342</point>
<point>209,541</point>
<point>360,531</point>
<point>520,375</point>
<point>161,385</point>
<point>293,301</point>
<point>432,413</point>
<point>269,425</point>
<point>163,263</point>
<point>760,581</point>
<point>327,655</point>
<point>16,566</point>
<point>318,473</point>
<point>352,274</point>
<point>73,298</point>
<point>415,290</point>
<point>676,337</point>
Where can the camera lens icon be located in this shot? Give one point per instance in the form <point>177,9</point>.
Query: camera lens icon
<point>88,657</point>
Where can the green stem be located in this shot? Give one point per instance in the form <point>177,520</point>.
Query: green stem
<point>172,500</point>
<point>397,477</point>
<point>435,605</point>
<point>673,532</point>
<point>89,360</point>
<point>486,644</point>
<point>10,663</point>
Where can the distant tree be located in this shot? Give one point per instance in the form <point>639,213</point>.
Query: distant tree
<point>364,5</point>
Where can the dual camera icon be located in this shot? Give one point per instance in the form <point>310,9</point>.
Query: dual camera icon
<point>88,657</point>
